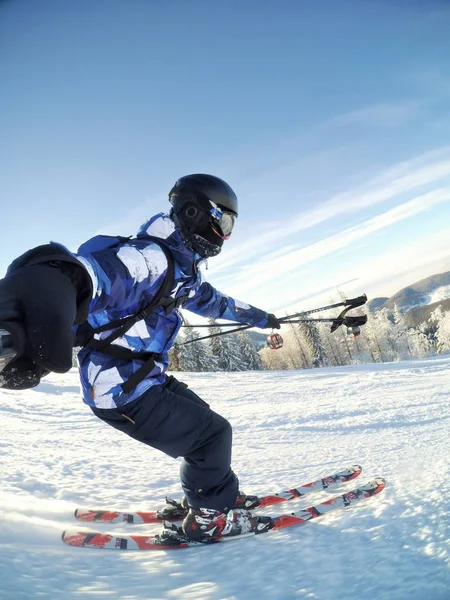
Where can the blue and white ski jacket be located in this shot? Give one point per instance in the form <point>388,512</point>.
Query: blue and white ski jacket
<point>125,279</point>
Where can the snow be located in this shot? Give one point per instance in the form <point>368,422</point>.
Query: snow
<point>290,427</point>
<point>439,294</point>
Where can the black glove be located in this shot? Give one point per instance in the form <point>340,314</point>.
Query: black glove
<point>272,322</point>
<point>45,292</point>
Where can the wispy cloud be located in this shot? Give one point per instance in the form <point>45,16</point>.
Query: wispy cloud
<point>389,114</point>
<point>276,267</point>
<point>401,179</point>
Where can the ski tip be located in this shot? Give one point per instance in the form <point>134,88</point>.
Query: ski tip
<point>69,536</point>
<point>353,471</point>
<point>357,468</point>
<point>379,483</point>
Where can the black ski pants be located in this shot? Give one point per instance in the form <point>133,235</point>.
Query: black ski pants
<point>173,419</point>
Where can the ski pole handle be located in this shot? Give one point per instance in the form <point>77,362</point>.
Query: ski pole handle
<point>355,302</point>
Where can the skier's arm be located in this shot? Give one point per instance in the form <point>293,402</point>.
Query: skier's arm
<point>209,302</point>
<point>45,292</point>
<point>48,290</point>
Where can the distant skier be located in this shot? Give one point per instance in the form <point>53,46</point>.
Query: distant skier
<point>120,297</point>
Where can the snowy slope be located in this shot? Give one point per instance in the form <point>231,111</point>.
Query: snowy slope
<point>289,428</point>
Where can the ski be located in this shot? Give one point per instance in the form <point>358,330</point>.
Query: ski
<point>252,502</point>
<point>173,538</point>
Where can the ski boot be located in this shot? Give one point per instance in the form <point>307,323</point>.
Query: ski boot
<point>176,511</point>
<point>203,524</point>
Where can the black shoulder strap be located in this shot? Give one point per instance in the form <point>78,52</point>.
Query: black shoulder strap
<point>121,326</point>
<point>85,334</point>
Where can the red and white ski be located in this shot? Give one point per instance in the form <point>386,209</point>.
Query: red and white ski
<point>170,540</point>
<point>253,502</point>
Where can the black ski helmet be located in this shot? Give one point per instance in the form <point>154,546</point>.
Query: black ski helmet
<point>204,209</point>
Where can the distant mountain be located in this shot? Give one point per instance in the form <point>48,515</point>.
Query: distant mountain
<point>431,291</point>
<point>259,339</point>
<point>376,303</point>
<point>421,314</point>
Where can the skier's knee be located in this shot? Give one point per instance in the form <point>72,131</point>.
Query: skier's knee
<point>224,429</point>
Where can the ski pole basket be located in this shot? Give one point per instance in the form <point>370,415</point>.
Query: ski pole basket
<point>354,331</point>
<point>274,341</point>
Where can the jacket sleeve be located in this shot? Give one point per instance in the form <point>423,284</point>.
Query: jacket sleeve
<point>209,302</point>
<point>120,275</point>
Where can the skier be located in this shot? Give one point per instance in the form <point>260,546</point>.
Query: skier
<point>120,296</point>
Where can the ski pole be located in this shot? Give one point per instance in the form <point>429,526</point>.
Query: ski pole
<point>336,322</point>
<point>207,337</point>
<point>349,304</point>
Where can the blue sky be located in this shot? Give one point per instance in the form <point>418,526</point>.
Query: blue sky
<point>329,119</point>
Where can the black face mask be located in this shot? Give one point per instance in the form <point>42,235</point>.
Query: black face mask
<point>195,225</point>
<point>206,243</point>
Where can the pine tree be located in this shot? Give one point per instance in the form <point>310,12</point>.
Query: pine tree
<point>218,349</point>
<point>231,358</point>
<point>371,336</point>
<point>225,349</point>
<point>400,332</point>
<point>250,358</point>
<point>194,356</point>
<point>364,345</point>
<point>332,349</point>
<point>187,358</point>
<point>419,342</point>
<point>386,336</point>
<point>443,329</point>
<point>314,343</point>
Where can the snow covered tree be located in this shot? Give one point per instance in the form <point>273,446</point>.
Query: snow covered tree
<point>332,349</point>
<point>294,346</point>
<point>400,333</point>
<point>370,335</point>
<point>276,360</point>
<point>420,343</point>
<point>380,331</point>
<point>231,358</point>
<point>250,358</point>
<point>225,349</point>
<point>443,329</point>
<point>194,356</point>
<point>216,344</point>
<point>364,345</point>
<point>314,344</point>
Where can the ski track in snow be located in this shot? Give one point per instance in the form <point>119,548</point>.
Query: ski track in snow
<point>290,427</point>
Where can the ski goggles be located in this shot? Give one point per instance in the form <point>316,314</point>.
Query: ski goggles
<point>222,222</point>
